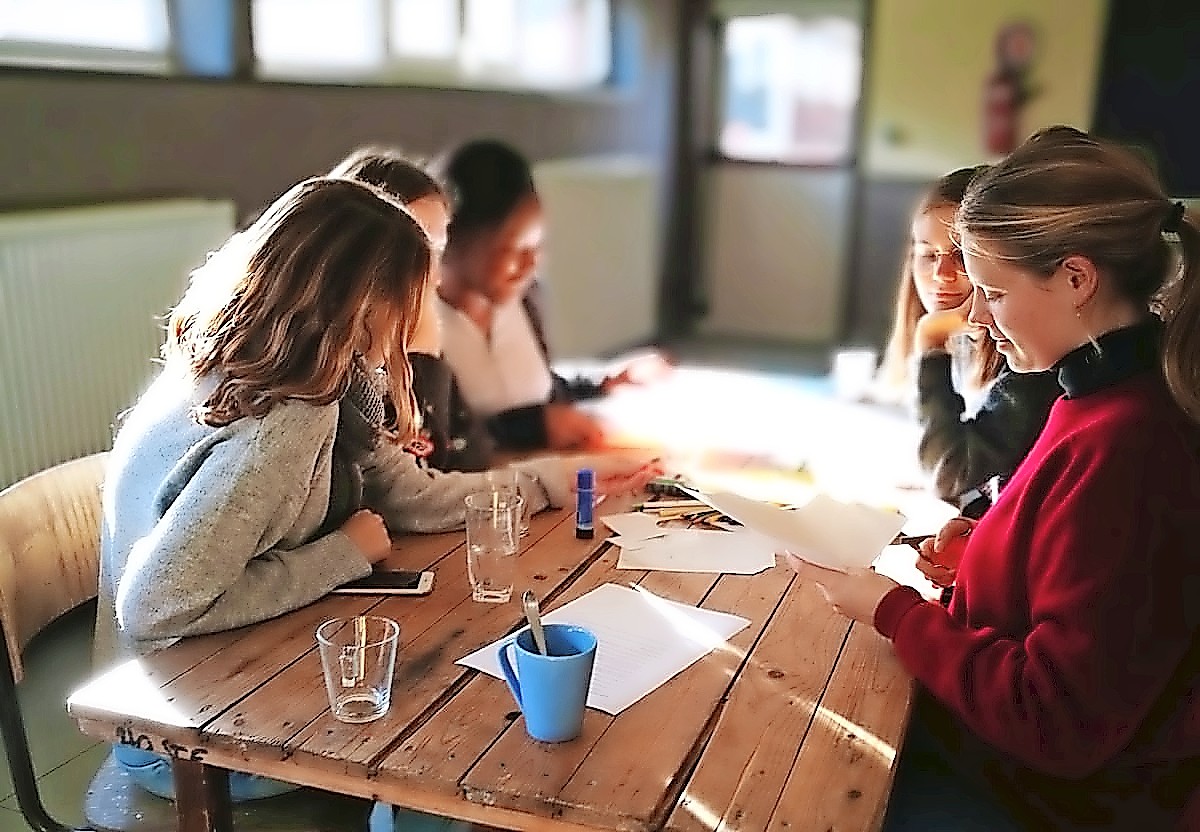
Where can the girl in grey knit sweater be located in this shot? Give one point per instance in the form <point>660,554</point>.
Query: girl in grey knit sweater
<point>266,465</point>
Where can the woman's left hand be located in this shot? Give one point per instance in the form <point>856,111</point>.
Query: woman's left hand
<point>855,594</point>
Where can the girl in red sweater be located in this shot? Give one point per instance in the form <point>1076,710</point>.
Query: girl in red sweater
<point>1061,688</point>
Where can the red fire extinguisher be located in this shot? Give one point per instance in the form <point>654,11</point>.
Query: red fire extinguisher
<point>1006,90</point>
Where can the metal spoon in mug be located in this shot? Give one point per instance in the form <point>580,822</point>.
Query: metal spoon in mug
<point>533,616</point>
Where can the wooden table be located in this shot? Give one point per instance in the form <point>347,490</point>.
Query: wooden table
<point>794,725</point>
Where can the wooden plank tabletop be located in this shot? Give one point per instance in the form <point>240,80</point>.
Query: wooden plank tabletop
<point>793,724</point>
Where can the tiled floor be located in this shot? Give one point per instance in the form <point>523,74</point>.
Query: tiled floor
<point>55,663</point>
<point>58,660</point>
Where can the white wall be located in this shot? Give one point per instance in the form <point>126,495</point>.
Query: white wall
<point>601,257</point>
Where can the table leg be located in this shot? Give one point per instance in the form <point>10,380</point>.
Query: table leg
<point>202,801</point>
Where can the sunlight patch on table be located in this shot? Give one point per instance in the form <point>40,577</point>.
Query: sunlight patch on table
<point>136,692</point>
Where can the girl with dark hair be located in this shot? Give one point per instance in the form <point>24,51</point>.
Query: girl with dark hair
<point>492,324</point>
<point>978,418</point>
<point>1061,688</point>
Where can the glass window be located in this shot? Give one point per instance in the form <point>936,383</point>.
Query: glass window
<point>425,28</point>
<point>538,43</point>
<point>790,88</point>
<point>542,44</point>
<point>318,38</point>
<point>116,34</point>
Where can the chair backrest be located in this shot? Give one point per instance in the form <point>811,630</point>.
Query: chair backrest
<point>49,548</point>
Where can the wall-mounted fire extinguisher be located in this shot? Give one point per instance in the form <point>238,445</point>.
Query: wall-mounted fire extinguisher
<point>1007,90</point>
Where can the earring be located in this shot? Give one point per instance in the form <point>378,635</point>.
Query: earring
<point>1087,331</point>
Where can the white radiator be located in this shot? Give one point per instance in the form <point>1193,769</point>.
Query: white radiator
<point>83,294</point>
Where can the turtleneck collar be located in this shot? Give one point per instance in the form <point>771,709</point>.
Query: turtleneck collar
<point>1123,353</point>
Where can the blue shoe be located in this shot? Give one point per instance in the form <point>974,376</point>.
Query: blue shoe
<point>152,772</point>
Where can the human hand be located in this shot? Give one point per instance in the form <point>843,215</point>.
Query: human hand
<point>935,328</point>
<point>368,533</point>
<point>855,594</point>
<point>939,556</point>
<point>622,473</point>
<point>644,368</point>
<point>569,428</point>
<point>615,474</point>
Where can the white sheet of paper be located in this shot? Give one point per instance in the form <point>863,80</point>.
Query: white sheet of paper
<point>634,525</point>
<point>900,564</point>
<point>740,552</point>
<point>642,641</point>
<point>824,531</point>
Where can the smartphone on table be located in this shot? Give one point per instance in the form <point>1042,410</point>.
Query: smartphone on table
<point>390,582</point>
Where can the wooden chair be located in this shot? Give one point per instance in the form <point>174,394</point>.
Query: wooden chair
<point>49,565</point>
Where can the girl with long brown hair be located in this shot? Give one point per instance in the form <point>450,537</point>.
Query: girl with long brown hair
<point>266,464</point>
<point>978,419</point>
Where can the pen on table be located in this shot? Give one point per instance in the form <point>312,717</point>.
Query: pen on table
<point>913,540</point>
<point>671,513</point>
<point>661,505</point>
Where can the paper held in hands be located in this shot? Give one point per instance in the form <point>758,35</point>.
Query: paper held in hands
<point>642,641</point>
<point>824,531</point>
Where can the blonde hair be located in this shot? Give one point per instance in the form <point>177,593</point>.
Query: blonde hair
<point>895,374</point>
<point>279,311</point>
<point>1065,193</point>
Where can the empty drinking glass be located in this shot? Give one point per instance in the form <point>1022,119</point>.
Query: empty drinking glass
<point>358,656</point>
<point>493,528</point>
<point>853,373</point>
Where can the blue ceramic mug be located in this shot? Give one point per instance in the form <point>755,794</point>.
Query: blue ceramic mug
<point>552,690</point>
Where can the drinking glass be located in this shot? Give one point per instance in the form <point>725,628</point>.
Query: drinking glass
<point>853,373</point>
<point>358,656</point>
<point>493,529</point>
<point>507,481</point>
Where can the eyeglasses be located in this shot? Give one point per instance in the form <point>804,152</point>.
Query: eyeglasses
<point>931,260</point>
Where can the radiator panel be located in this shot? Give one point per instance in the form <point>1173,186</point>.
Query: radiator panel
<point>83,295</point>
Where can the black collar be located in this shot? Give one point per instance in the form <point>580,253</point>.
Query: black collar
<point>1123,353</point>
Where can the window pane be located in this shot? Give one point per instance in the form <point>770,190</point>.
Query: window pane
<point>332,36</point>
<point>564,42</point>
<point>791,88</point>
<point>425,28</point>
<point>489,35</point>
<point>131,25</point>
<point>543,43</point>
<point>494,43</point>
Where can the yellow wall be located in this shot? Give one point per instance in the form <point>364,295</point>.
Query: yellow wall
<point>928,62</point>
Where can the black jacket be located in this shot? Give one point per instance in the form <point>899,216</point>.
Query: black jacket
<point>963,455</point>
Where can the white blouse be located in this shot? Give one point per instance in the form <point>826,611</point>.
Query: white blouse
<point>508,372</point>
